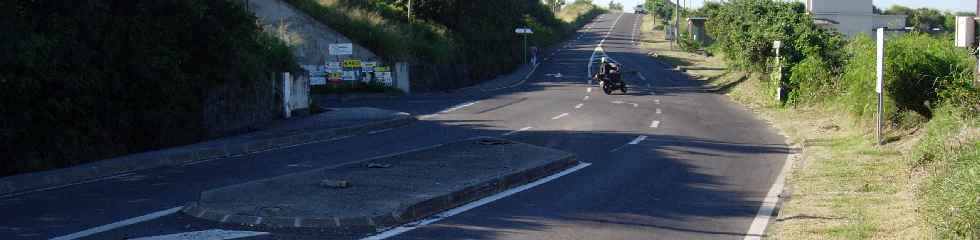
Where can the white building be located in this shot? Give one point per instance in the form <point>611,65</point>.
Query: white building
<point>851,17</point>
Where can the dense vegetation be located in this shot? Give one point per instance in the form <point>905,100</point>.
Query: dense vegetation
<point>474,37</point>
<point>929,85</point>
<point>90,79</point>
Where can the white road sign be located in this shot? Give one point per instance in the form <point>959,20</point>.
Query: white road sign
<point>341,49</point>
<point>523,31</point>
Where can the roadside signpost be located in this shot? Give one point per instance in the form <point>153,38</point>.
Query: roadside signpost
<point>338,49</point>
<point>879,85</point>
<point>779,72</point>
<point>524,32</point>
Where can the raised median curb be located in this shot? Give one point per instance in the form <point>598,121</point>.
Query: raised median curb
<point>418,184</point>
<point>188,154</point>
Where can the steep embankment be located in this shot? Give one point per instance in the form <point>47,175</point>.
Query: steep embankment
<point>449,43</point>
<point>92,79</point>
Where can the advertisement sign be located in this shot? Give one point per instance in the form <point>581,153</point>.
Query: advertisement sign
<point>338,49</point>
<point>334,77</point>
<point>352,63</point>
<point>384,77</point>
<point>368,66</point>
<point>349,75</point>
<point>333,67</point>
<point>318,75</point>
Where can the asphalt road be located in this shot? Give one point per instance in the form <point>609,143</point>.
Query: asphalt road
<point>670,160</point>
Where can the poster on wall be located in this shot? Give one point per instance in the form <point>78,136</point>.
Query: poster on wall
<point>334,67</point>
<point>318,74</point>
<point>337,49</point>
<point>384,78</point>
<point>349,75</point>
<point>368,66</point>
<point>335,77</point>
<point>352,63</point>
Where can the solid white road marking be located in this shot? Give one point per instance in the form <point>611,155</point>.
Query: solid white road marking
<point>452,212</point>
<point>655,124</point>
<point>380,131</point>
<point>212,234</point>
<point>638,140</point>
<point>559,116</point>
<point>517,131</point>
<point>579,105</point>
<point>458,107</point>
<point>764,214</point>
<point>634,142</point>
<point>119,224</point>
<point>643,78</point>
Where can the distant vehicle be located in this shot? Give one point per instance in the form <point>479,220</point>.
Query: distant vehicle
<point>639,9</point>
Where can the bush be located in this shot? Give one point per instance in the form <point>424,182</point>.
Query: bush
<point>744,30</point>
<point>91,79</point>
<point>920,72</point>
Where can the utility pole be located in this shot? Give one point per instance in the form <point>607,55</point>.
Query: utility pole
<point>676,19</point>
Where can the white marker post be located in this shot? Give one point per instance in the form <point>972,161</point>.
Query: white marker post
<point>880,74</point>
<point>779,72</point>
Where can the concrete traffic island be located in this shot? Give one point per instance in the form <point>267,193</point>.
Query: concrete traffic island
<point>383,192</point>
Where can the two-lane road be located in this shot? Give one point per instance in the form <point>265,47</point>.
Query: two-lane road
<point>668,161</point>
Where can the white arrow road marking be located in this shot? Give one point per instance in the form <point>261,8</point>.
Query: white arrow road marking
<point>559,116</point>
<point>452,212</point>
<point>212,234</point>
<point>119,224</point>
<point>655,124</point>
<point>517,131</point>
<point>579,105</point>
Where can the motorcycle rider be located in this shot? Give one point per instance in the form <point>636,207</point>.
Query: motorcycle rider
<point>607,69</point>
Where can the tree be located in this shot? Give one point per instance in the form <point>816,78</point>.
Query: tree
<point>615,6</point>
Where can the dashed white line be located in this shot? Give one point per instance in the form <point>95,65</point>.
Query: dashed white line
<point>655,124</point>
<point>517,131</point>
<point>635,104</point>
<point>657,101</point>
<point>579,105</point>
<point>659,111</point>
<point>119,224</point>
<point>586,98</point>
<point>617,102</point>
<point>452,212</point>
<point>559,116</point>
<point>588,90</point>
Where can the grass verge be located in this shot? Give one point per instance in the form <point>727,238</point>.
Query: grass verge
<point>921,185</point>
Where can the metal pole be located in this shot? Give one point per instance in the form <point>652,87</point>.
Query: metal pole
<point>525,48</point>
<point>879,86</point>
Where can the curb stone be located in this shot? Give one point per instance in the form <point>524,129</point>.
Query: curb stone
<point>13,185</point>
<point>416,211</point>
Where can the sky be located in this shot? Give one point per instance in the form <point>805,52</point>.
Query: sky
<point>945,5</point>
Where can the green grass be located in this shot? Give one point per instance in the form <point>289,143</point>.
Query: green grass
<point>951,150</point>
